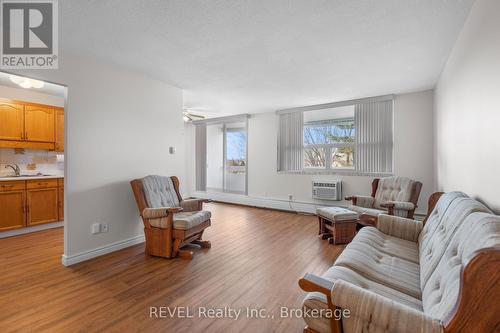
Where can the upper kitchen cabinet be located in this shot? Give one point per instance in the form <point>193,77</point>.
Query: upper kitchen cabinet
<point>39,123</point>
<point>60,129</point>
<point>32,126</point>
<point>11,121</point>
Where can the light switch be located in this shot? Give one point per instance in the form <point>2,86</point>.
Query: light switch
<point>171,150</point>
<point>96,228</point>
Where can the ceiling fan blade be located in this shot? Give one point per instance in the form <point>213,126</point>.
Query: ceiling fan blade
<point>189,114</point>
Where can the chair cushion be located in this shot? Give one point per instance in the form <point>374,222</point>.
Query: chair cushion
<point>318,300</point>
<point>337,214</point>
<point>183,220</point>
<point>369,211</point>
<point>159,191</point>
<point>393,189</point>
<point>385,265</point>
<point>188,220</point>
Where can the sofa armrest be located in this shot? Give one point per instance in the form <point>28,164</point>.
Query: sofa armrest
<point>156,213</point>
<point>370,309</point>
<point>314,283</point>
<point>399,227</point>
<point>361,200</point>
<point>192,205</point>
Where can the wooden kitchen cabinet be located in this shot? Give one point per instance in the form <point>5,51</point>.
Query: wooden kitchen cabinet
<point>31,202</point>
<point>12,209</point>
<point>42,206</point>
<point>39,123</point>
<point>32,126</point>
<point>59,129</point>
<point>11,121</point>
<point>60,184</point>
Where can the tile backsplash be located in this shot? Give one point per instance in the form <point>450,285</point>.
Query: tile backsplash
<point>31,161</point>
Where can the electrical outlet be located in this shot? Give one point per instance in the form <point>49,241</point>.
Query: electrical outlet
<point>290,197</point>
<point>96,228</point>
<point>104,228</point>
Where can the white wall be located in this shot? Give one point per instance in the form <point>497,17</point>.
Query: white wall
<point>413,153</point>
<point>119,126</point>
<point>467,108</point>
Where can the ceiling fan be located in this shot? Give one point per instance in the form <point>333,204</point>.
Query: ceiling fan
<point>190,116</point>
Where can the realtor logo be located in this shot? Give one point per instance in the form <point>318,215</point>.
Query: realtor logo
<point>29,34</point>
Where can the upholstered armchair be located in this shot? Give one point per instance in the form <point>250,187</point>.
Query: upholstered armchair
<point>391,195</point>
<point>169,221</point>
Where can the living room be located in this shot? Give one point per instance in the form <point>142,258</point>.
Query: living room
<point>279,166</point>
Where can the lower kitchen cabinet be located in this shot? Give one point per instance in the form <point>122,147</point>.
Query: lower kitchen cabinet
<point>43,206</point>
<point>61,203</point>
<point>31,202</point>
<point>12,209</point>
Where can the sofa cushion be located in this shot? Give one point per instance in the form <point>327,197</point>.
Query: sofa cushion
<point>383,267</point>
<point>438,231</point>
<point>159,191</point>
<point>371,312</point>
<point>393,189</point>
<point>371,239</point>
<point>479,230</point>
<point>318,300</point>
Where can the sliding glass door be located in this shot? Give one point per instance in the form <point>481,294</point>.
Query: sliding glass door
<point>215,157</point>
<point>223,168</point>
<point>235,158</point>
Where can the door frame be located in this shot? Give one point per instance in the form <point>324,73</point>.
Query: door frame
<point>65,154</point>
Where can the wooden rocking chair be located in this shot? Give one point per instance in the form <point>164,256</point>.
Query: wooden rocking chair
<point>167,229</point>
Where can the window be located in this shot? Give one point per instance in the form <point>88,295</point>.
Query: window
<point>329,143</point>
<point>338,137</point>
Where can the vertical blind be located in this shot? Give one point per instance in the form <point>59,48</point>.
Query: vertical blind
<point>373,149</point>
<point>201,156</point>
<point>373,125</point>
<point>290,141</point>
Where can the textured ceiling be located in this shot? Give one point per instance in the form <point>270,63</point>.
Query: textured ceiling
<point>257,56</point>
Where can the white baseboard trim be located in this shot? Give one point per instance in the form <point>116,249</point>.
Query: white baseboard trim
<point>261,202</point>
<point>292,206</point>
<point>86,255</point>
<point>27,230</point>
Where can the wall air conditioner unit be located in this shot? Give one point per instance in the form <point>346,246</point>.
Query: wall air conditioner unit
<point>327,190</point>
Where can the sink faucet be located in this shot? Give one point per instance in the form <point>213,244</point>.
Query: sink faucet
<point>14,167</point>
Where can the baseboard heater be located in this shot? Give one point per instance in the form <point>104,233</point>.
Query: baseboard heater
<point>327,190</point>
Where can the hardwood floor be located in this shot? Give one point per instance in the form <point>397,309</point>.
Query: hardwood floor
<point>256,259</point>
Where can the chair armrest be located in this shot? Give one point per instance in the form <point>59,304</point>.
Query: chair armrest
<point>369,308</point>
<point>156,213</point>
<point>403,205</point>
<point>399,227</point>
<point>361,200</point>
<point>191,205</point>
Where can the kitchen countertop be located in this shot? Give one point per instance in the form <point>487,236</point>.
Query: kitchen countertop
<point>29,178</point>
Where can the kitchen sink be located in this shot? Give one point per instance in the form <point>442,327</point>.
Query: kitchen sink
<point>39,175</point>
